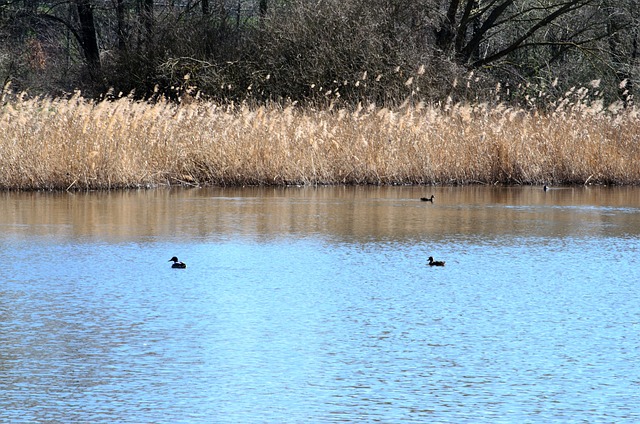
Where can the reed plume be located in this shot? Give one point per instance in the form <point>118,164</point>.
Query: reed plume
<point>77,143</point>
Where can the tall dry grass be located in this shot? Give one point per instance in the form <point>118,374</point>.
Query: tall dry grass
<point>79,144</point>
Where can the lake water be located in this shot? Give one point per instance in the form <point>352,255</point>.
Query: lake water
<point>315,305</point>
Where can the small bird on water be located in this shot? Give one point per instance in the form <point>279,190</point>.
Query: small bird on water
<point>435,263</point>
<point>428,199</point>
<point>177,263</point>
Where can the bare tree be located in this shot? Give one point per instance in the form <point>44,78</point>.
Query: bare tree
<point>481,32</point>
<point>283,49</point>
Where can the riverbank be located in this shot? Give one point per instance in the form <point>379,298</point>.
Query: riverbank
<point>77,144</point>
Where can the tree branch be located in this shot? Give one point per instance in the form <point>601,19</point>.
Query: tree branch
<point>568,7</point>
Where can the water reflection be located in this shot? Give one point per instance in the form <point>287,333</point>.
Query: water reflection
<point>366,213</point>
<point>316,305</point>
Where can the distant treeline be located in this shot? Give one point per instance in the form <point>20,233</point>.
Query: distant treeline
<point>326,51</point>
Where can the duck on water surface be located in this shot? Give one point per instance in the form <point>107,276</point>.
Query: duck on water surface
<point>177,263</point>
<point>435,263</point>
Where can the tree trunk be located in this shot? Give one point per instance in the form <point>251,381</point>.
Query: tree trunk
<point>445,33</point>
<point>147,19</point>
<point>88,38</point>
<point>121,31</point>
<point>262,8</point>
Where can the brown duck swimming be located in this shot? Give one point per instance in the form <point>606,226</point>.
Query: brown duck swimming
<point>177,263</point>
<point>428,199</point>
<point>435,263</point>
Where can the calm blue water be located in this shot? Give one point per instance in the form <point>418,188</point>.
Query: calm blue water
<point>317,306</point>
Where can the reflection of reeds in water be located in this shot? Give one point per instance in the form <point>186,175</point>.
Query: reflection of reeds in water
<point>77,144</point>
<point>334,214</point>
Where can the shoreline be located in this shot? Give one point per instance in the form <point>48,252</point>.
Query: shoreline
<point>301,186</point>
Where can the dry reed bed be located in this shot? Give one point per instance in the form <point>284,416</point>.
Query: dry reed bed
<point>78,144</point>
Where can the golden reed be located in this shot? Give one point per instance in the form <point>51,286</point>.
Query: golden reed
<point>78,144</point>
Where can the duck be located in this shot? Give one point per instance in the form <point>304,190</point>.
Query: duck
<point>428,199</point>
<point>177,263</point>
<point>545,188</point>
<point>435,263</point>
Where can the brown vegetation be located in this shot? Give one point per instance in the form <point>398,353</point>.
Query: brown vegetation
<point>79,144</point>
